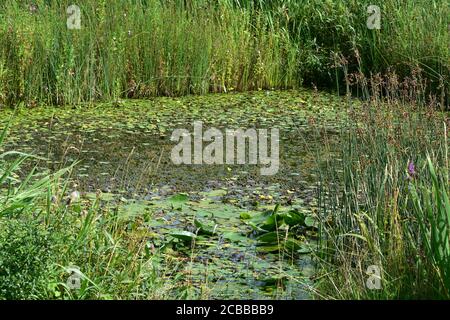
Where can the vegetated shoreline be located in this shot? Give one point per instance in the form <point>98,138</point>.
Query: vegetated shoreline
<point>137,218</point>
<point>175,48</point>
<point>383,202</point>
<point>383,165</point>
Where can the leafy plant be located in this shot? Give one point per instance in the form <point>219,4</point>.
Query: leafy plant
<point>280,231</point>
<point>432,208</point>
<point>26,252</point>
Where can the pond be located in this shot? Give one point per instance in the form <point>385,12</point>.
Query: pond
<point>212,220</point>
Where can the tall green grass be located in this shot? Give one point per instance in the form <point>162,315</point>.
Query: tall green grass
<point>413,35</point>
<point>384,202</point>
<point>144,48</point>
<point>140,50</point>
<point>432,207</point>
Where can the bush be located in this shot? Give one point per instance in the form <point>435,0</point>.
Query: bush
<point>25,252</point>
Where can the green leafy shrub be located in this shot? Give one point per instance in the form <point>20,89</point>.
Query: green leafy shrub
<point>25,255</point>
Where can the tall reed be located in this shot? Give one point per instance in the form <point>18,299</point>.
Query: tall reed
<point>384,202</point>
<point>152,47</point>
<point>140,50</point>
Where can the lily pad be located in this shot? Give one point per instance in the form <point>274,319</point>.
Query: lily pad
<point>183,235</point>
<point>178,200</point>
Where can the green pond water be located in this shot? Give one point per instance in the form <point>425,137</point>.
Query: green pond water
<point>214,220</point>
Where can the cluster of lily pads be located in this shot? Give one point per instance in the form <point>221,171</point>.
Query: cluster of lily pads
<point>234,248</point>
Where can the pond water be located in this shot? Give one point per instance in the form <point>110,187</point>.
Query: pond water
<point>123,150</point>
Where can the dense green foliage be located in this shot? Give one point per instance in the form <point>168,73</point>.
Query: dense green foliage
<point>385,202</point>
<point>375,208</point>
<point>151,47</point>
<point>25,249</point>
<point>382,164</point>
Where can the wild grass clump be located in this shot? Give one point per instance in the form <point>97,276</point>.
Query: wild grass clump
<point>153,47</point>
<point>334,39</point>
<point>141,50</point>
<point>385,203</point>
<point>25,251</point>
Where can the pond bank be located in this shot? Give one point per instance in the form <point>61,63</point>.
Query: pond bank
<point>213,222</point>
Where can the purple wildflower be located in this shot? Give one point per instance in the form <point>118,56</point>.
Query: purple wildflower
<point>411,170</point>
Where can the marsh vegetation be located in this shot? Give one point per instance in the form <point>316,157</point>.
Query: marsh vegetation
<point>88,191</point>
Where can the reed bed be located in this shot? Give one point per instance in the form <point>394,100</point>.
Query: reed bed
<point>144,48</point>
